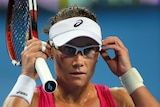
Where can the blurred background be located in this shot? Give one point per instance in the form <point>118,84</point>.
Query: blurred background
<point>135,22</point>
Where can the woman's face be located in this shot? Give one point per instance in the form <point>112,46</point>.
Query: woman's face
<point>75,70</point>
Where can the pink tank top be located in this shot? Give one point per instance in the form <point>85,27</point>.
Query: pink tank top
<point>104,94</point>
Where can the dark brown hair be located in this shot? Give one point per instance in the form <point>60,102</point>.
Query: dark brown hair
<point>72,11</point>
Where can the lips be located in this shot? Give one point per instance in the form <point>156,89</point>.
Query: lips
<point>77,73</point>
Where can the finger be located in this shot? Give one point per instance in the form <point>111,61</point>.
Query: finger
<point>46,48</point>
<point>105,55</point>
<point>119,43</point>
<point>43,46</point>
<point>34,40</point>
<point>113,43</point>
<point>40,54</point>
<point>33,43</point>
<point>112,40</point>
<point>34,55</point>
<point>36,45</point>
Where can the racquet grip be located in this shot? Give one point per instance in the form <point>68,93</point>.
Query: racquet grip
<point>48,82</point>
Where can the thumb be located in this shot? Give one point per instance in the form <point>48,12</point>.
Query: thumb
<point>105,56</point>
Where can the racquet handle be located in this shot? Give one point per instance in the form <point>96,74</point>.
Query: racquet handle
<point>48,82</point>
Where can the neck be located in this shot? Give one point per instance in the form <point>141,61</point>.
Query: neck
<point>73,96</point>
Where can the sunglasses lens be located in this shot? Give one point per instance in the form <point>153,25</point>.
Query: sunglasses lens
<point>90,52</point>
<point>67,50</point>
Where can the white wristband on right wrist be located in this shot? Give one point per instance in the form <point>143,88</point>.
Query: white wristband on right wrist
<point>131,80</point>
<point>24,88</point>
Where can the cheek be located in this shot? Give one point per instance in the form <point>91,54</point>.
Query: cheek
<point>92,64</point>
<point>61,63</point>
<point>58,61</point>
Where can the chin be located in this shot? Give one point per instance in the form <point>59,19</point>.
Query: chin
<point>78,83</point>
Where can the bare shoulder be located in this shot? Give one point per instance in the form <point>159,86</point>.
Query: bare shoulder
<point>119,90</point>
<point>121,97</point>
<point>34,102</point>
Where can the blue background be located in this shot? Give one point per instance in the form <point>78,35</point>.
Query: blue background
<point>137,26</point>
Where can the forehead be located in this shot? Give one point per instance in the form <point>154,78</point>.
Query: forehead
<point>82,41</point>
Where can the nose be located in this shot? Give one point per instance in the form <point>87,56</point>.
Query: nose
<point>78,60</point>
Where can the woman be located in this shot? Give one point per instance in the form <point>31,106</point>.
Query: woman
<point>75,43</point>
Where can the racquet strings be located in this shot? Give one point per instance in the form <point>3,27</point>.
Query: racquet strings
<point>20,26</point>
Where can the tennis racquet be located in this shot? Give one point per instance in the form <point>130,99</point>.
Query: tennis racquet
<point>21,25</point>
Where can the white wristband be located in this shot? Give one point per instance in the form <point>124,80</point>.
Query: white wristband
<point>24,88</point>
<point>131,80</point>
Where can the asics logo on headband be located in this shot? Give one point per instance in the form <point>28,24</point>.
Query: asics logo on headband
<point>79,22</point>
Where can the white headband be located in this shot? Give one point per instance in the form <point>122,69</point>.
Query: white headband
<point>68,29</point>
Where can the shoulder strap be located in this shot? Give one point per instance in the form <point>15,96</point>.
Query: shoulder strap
<point>105,96</point>
<point>45,99</point>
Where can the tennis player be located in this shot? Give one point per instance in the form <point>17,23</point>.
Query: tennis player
<point>75,43</point>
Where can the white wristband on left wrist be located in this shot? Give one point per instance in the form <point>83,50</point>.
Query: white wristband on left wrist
<point>131,80</point>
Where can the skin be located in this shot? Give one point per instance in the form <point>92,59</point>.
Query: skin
<point>74,88</point>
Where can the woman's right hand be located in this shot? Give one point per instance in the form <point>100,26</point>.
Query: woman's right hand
<point>32,51</point>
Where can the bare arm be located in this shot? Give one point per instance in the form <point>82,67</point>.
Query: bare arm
<point>20,102</point>
<point>143,98</point>
<point>15,102</point>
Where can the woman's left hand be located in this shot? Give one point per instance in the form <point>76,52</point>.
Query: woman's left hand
<point>120,64</point>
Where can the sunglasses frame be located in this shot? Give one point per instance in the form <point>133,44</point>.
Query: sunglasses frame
<point>79,49</point>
